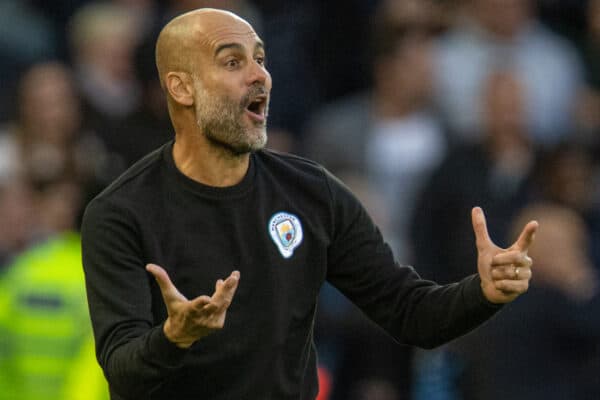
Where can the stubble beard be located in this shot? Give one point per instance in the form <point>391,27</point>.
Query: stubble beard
<point>220,120</point>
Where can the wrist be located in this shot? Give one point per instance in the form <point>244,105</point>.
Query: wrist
<point>173,337</point>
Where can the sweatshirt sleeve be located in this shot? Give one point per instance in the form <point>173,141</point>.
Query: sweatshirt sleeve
<point>131,348</point>
<point>412,310</point>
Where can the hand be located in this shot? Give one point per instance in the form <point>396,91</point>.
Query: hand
<point>504,273</point>
<point>190,320</point>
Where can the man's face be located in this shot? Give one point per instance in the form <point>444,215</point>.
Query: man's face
<point>232,88</point>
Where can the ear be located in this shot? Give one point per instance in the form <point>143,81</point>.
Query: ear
<point>180,88</point>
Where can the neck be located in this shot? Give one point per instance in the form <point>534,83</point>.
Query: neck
<point>207,162</point>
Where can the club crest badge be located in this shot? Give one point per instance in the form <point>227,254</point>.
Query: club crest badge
<point>286,232</point>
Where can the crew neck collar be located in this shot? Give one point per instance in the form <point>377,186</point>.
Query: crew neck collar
<point>198,188</point>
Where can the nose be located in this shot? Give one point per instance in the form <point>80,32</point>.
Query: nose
<point>259,74</point>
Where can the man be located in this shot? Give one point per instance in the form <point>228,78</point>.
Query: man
<point>214,201</point>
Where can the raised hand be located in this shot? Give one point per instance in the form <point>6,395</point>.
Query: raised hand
<point>505,273</point>
<point>191,320</point>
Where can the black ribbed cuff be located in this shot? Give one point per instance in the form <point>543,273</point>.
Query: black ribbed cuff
<point>166,353</point>
<point>473,294</point>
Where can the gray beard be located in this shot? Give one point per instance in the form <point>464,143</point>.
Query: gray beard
<point>227,137</point>
<point>220,121</point>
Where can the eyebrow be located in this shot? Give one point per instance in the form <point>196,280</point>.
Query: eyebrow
<point>237,46</point>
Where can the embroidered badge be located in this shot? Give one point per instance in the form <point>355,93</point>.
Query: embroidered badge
<point>286,232</point>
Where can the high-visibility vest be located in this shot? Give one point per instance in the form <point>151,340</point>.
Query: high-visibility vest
<point>86,380</point>
<point>44,319</point>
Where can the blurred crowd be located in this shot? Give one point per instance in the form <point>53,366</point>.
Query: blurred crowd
<point>424,108</point>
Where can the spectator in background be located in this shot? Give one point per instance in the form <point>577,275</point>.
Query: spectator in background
<point>146,128</point>
<point>103,38</point>
<point>504,34</point>
<point>391,138</point>
<point>550,351</point>
<point>493,173</point>
<point>44,320</point>
<point>47,139</point>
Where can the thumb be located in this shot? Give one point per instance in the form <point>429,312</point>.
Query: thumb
<point>168,290</point>
<point>482,236</point>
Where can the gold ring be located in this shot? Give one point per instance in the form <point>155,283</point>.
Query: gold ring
<point>517,272</point>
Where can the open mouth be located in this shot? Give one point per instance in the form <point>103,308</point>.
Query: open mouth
<point>257,107</point>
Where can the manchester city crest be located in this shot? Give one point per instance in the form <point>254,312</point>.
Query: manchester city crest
<point>286,232</point>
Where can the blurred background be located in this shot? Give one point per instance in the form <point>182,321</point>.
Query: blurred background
<point>424,108</point>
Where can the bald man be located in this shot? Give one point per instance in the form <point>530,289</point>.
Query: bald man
<point>204,261</point>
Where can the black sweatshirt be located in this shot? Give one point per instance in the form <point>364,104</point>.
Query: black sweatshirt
<point>288,226</point>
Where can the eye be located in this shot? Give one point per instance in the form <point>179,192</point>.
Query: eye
<point>233,63</point>
<point>260,60</point>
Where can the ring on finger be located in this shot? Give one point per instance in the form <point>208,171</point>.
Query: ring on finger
<point>517,271</point>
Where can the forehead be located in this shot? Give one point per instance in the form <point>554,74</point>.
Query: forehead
<point>218,31</point>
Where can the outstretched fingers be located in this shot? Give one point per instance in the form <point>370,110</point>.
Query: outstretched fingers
<point>505,273</point>
<point>527,236</point>
<point>168,290</point>
<point>190,320</point>
<point>482,236</point>
<point>225,290</point>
